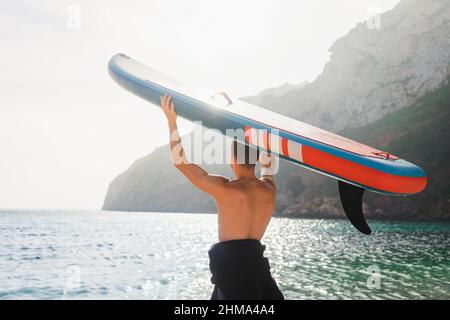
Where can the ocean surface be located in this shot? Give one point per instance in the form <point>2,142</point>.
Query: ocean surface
<point>120,255</point>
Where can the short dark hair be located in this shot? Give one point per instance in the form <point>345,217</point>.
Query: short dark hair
<point>251,154</point>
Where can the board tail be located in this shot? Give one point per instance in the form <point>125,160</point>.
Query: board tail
<point>351,199</point>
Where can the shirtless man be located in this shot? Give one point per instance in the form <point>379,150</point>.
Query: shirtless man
<point>245,206</point>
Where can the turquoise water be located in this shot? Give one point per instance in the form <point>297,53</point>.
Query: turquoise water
<point>115,255</point>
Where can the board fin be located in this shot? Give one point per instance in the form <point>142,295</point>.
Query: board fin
<point>351,199</point>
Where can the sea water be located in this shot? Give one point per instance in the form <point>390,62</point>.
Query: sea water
<point>122,255</point>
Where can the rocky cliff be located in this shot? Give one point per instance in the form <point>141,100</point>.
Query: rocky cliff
<point>417,133</point>
<point>387,87</point>
<point>373,72</point>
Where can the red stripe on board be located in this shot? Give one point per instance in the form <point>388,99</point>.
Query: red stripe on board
<point>284,147</point>
<point>361,174</point>
<point>266,140</point>
<point>248,133</point>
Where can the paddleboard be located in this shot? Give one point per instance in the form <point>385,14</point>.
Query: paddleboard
<point>348,161</point>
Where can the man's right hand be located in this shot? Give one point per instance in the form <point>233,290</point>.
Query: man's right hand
<point>265,159</point>
<point>269,164</point>
<point>168,108</point>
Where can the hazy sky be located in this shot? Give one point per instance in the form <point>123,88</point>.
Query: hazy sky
<point>66,129</point>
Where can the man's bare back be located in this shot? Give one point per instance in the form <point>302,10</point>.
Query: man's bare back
<point>245,208</point>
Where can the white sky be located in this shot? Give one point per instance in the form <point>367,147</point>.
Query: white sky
<point>66,129</point>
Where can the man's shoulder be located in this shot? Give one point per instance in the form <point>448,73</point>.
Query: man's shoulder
<point>269,183</point>
<point>254,187</point>
<point>219,177</point>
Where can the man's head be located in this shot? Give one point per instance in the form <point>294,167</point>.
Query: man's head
<point>243,158</point>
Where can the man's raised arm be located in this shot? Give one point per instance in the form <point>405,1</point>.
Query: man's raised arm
<point>211,184</point>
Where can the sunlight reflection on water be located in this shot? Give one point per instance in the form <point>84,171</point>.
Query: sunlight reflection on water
<point>118,255</point>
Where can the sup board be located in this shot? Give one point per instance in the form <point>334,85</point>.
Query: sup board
<point>356,166</point>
